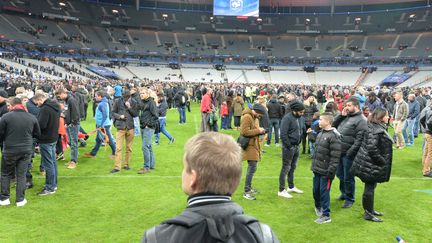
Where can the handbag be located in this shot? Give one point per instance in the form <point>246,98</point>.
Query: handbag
<point>243,142</point>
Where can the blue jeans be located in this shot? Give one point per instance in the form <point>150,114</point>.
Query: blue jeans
<point>347,180</point>
<point>162,122</point>
<point>274,124</point>
<point>311,148</point>
<point>72,133</point>
<point>182,112</point>
<point>230,117</point>
<point>321,193</point>
<point>417,126</point>
<point>289,163</point>
<point>409,138</point>
<point>49,162</point>
<point>99,140</point>
<point>224,122</point>
<point>147,134</point>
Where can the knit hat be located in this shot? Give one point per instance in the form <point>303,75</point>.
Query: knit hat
<point>297,106</point>
<point>259,109</point>
<point>4,94</point>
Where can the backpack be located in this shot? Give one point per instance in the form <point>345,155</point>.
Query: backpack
<point>237,228</point>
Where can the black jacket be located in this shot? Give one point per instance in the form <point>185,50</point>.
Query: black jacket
<point>374,160</point>
<point>327,153</point>
<point>18,128</point>
<point>162,108</point>
<point>32,108</point>
<point>119,108</point>
<point>210,223</point>
<point>72,113</point>
<point>351,127</point>
<point>292,130</point>
<point>81,100</point>
<point>149,115</point>
<point>179,97</point>
<point>274,109</point>
<point>309,112</point>
<point>49,118</point>
<point>3,109</point>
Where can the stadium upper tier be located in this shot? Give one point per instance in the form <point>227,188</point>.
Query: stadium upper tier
<point>416,18</point>
<point>75,35</point>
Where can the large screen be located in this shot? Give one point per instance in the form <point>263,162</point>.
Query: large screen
<point>236,7</point>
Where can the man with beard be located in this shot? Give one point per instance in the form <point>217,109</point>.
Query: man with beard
<point>292,130</point>
<point>352,125</point>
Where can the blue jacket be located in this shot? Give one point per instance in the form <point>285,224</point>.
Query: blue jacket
<point>118,90</point>
<point>413,109</point>
<point>102,113</point>
<point>361,99</point>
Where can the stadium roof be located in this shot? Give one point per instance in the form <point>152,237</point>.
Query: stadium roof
<point>302,2</point>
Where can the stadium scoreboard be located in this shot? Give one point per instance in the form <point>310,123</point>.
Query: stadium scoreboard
<point>243,8</point>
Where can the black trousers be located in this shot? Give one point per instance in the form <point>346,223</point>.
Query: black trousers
<point>368,196</point>
<point>10,164</point>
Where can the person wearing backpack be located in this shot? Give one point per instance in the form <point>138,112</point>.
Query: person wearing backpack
<point>211,216</point>
<point>180,100</point>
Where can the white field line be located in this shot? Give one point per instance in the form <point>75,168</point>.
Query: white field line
<point>179,177</point>
<point>196,124</point>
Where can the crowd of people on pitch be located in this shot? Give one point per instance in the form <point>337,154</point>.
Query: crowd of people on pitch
<point>349,139</point>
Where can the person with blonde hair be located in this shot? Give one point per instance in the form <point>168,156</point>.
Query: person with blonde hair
<point>148,123</point>
<point>210,215</point>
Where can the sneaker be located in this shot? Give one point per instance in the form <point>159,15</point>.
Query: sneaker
<point>370,217</point>
<point>347,204</point>
<point>45,192</point>
<point>5,202</point>
<point>112,156</point>
<point>428,174</point>
<point>409,144</point>
<point>318,212</point>
<point>267,145</point>
<point>323,220</point>
<point>296,190</point>
<point>254,191</point>
<point>284,194</point>
<point>126,167</point>
<point>60,156</point>
<point>249,196</point>
<point>72,165</point>
<point>171,141</point>
<point>29,185</point>
<point>377,213</point>
<point>114,171</point>
<point>143,171</point>
<point>89,155</point>
<point>341,198</point>
<point>42,173</point>
<point>22,203</point>
<point>277,145</point>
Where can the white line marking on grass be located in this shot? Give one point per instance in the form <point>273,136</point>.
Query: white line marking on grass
<point>179,177</point>
<point>196,124</point>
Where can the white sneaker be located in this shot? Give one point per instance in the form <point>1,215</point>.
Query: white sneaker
<point>22,203</point>
<point>284,194</point>
<point>277,145</point>
<point>5,202</point>
<point>267,145</point>
<point>296,190</point>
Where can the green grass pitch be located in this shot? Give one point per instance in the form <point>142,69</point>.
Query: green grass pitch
<point>92,205</point>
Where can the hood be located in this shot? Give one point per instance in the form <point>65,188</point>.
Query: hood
<point>247,110</point>
<point>355,114</point>
<point>53,104</point>
<point>274,101</point>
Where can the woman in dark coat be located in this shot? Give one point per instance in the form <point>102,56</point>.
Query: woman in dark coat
<point>374,160</point>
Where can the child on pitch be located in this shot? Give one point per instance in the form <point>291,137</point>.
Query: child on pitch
<point>324,163</point>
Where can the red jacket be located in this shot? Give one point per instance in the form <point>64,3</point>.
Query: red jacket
<point>224,110</point>
<point>206,104</point>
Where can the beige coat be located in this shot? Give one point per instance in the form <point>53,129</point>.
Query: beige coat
<point>249,127</point>
<point>402,111</point>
